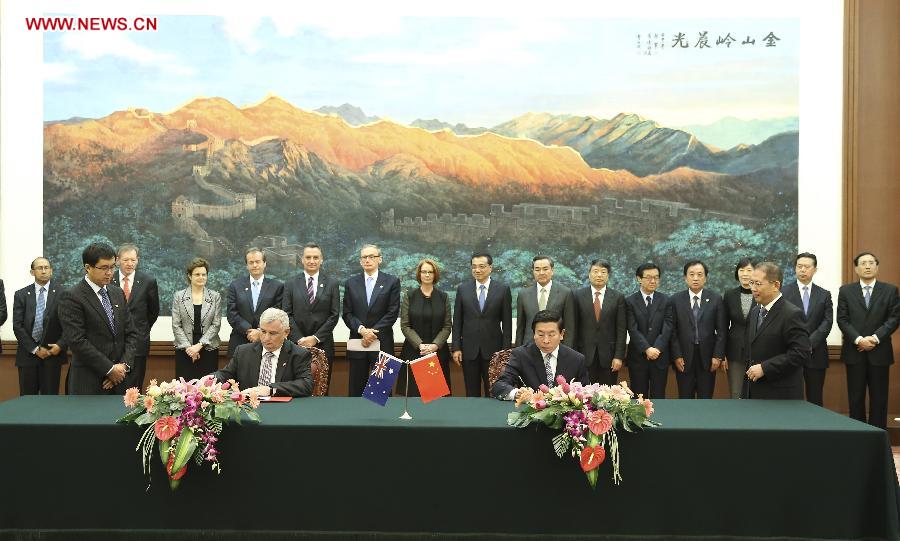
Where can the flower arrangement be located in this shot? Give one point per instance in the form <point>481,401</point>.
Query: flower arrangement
<point>588,417</point>
<point>186,419</point>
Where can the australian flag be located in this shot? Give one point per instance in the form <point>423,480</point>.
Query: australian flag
<point>381,380</point>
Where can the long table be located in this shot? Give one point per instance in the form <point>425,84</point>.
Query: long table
<point>721,468</point>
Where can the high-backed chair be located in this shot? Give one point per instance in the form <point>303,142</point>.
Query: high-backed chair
<point>497,364</point>
<point>319,367</point>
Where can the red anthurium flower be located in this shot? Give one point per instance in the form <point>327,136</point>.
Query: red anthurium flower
<point>165,428</point>
<point>592,457</point>
<point>177,475</point>
<point>600,421</point>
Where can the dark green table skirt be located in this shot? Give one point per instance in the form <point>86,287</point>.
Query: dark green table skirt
<point>715,468</point>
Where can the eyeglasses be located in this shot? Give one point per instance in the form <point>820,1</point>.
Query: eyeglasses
<point>426,272</point>
<point>758,283</point>
<point>365,257</point>
<point>650,278</point>
<point>480,267</point>
<point>105,268</point>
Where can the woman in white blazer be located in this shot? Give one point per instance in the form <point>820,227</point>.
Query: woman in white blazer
<point>196,318</point>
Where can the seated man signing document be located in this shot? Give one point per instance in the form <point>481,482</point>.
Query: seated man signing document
<point>540,362</point>
<point>273,366</point>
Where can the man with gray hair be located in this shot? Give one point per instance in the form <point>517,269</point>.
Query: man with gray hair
<point>272,365</point>
<point>777,339</point>
<point>142,297</point>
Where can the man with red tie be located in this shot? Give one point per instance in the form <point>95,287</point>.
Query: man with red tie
<point>142,297</point>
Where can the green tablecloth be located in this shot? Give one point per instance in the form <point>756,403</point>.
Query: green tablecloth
<point>715,468</point>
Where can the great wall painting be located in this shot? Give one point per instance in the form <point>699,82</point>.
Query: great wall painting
<point>211,178</point>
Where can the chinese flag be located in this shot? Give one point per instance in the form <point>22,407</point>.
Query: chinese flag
<point>429,377</point>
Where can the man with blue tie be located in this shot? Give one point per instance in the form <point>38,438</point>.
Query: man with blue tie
<point>248,298</point>
<point>41,351</point>
<point>371,307</point>
<point>482,323</point>
<point>97,327</point>
<point>868,312</point>
<point>818,313</point>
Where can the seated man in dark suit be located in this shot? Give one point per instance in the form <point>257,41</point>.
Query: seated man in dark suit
<point>777,339</point>
<point>273,366</point>
<point>540,362</point>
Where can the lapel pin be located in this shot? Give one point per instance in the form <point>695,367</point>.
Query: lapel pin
<point>321,285</point>
<point>379,287</point>
<point>706,300</point>
<point>246,289</point>
<point>117,306</point>
<point>28,292</point>
<point>283,365</point>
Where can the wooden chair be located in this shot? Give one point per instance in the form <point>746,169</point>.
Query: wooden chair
<point>319,367</point>
<point>497,364</point>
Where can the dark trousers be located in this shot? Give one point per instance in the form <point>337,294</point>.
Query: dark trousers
<point>361,363</point>
<point>602,374</point>
<point>647,380</point>
<point>814,379</point>
<point>42,378</point>
<point>475,375</point>
<point>695,381</point>
<point>860,376</point>
<point>135,378</point>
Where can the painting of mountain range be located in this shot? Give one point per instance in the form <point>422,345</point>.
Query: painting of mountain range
<point>435,168</point>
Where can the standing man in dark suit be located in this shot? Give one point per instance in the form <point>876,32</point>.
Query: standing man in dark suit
<point>544,295</point>
<point>602,322</point>
<point>540,361</point>
<point>142,297</point>
<point>650,330</point>
<point>482,323</point>
<point>868,313</point>
<point>97,326</point>
<point>698,335</point>
<point>273,365</point>
<point>777,339</point>
<point>248,297</point>
<point>371,307</point>
<point>41,350</point>
<point>818,313</point>
<point>312,301</point>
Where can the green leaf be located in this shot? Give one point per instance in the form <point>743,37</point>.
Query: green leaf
<point>253,415</point>
<point>131,415</point>
<point>592,477</point>
<point>146,419</point>
<point>560,444</point>
<point>185,447</point>
<point>164,451</point>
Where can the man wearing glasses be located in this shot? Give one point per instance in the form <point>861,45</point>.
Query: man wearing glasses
<point>371,306</point>
<point>97,326</point>
<point>650,329</point>
<point>777,339</point>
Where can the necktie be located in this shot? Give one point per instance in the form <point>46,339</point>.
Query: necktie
<point>107,307</point>
<point>868,295</point>
<point>310,291</point>
<point>126,288</point>
<point>254,293</point>
<point>265,373</point>
<point>548,368</point>
<point>649,301</point>
<point>370,285</point>
<point>597,306</point>
<point>805,300</point>
<point>38,330</point>
<point>761,318</point>
<point>542,299</point>
<point>481,297</point>
<point>696,311</point>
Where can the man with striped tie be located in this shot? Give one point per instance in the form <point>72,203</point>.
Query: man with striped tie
<point>541,361</point>
<point>273,366</point>
<point>41,350</point>
<point>97,326</point>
